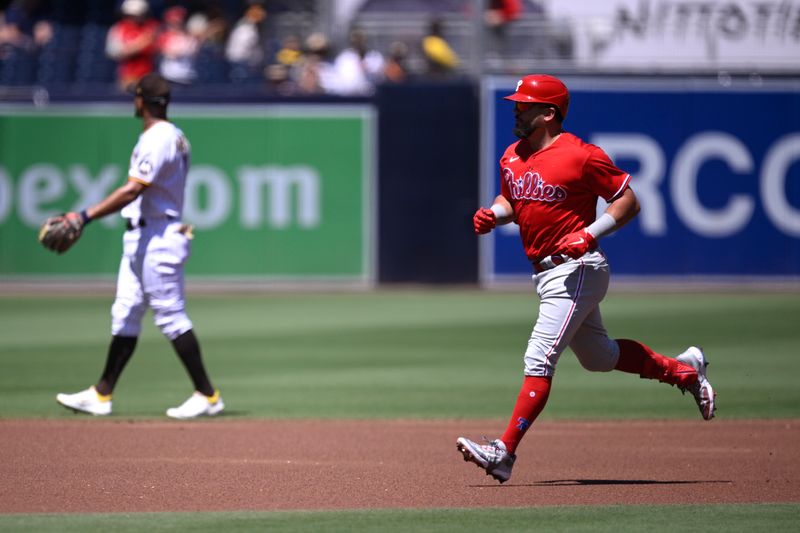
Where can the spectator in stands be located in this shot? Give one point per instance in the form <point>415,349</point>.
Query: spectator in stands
<point>498,16</point>
<point>245,47</point>
<point>396,70</point>
<point>197,26</point>
<point>23,33</point>
<point>314,71</point>
<point>290,52</point>
<point>132,42</point>
<point>283,73</point>
<point>177,48</point>
<point>357,68</point>
<point>209,28</point>
<point>500,13</point>
<point>25,25</point>
<point>439,56</point>
<point>279,80</point>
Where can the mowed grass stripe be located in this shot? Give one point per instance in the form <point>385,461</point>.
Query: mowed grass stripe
<point>405,354</point>
<point>611,519</point>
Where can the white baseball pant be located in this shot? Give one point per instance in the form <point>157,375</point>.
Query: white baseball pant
<point>151,275</point>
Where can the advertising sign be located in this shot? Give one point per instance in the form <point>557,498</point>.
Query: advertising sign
<point>716,170</point>
<point>682,35</point>
<point>274,192</point>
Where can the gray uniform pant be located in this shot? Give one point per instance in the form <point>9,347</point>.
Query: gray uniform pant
<point>569,315</point>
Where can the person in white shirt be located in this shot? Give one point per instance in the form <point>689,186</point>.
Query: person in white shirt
<point>357,69</point>
<point>155,248</point>
<point>244,49</point>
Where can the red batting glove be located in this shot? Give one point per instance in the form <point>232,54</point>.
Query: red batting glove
<point>484,220</point>
<point>576,244</point>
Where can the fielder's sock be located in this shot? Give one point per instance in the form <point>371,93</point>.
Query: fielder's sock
<point>102,397</point>
<point>636,358</point>
<point>188,350</point>
<point>530,402</point>
<point>213,399</point>
<point>119,353</point>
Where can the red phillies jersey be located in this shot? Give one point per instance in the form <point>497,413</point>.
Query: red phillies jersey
<point>554,191</point>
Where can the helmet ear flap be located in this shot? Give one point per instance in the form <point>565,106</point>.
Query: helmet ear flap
<point>564,108</point>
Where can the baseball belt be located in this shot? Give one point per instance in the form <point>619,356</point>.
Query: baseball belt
<point>131,224</point>
<point>551,261</point>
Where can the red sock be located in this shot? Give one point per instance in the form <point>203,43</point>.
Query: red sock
<point>636,358</point>
<point>530,402</point>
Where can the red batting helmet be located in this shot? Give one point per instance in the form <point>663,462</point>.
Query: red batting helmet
<point>543,89</point>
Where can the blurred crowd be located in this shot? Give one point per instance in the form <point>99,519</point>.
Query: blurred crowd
<point>204,42</point>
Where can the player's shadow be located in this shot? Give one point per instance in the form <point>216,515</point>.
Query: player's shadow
<point>589,482</point>
<point>592,482</point>
<point>231,413</point>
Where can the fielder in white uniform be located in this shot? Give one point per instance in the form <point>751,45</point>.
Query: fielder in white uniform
<point>155,248</point>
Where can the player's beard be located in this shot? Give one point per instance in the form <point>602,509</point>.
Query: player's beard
<point>523,131</point>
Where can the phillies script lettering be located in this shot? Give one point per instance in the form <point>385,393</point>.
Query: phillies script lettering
<point>531,186</point>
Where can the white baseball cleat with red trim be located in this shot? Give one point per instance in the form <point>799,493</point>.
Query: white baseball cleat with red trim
<point>492,457</point>
<point>701,389</point>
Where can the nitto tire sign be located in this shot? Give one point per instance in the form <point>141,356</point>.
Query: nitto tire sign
<point>683,35</point>
<point>719,187</point>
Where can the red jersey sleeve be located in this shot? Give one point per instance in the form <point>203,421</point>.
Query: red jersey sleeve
<point>607,181</point>
<point>504,186</point>
<point>504,191</point>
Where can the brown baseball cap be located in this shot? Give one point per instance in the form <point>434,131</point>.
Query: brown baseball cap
<point>153,89</point>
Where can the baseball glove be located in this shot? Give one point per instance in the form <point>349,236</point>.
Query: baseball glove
<point>60,232</point>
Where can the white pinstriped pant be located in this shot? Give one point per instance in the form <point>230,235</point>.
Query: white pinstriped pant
<point>569,315</point>
<point>151,275</point>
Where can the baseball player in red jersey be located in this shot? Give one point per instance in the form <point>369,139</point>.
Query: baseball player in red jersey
<point>550,183</point>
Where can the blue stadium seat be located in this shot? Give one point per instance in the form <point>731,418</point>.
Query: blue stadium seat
<point>92,63</point>
<point>19,67</point>
<point>98,12</point>
<point>211,66</point>
<point>57,58</point>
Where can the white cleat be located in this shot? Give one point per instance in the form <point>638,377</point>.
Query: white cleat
<point>702,390</point>
<point>492,457</point>
<point>87,401</point>
<point>197,405</point>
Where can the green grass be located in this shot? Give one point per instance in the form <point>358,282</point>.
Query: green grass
<point>407,354</point>
<point>613,519</point>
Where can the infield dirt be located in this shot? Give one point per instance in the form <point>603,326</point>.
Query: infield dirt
<point>101,465</point>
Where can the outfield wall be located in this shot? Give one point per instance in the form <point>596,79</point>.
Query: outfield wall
<point>275,192</point>
<point>383,189</point>
<point>429,164</point>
